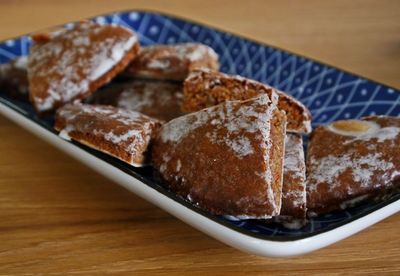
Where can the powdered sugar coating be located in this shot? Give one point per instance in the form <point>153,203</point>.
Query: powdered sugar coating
<point>224,117</point>
<point>362,167</point>
<point>152,94</point>
<point>294,155</point>
<point>156,99</point>
<point>346,166</point>
<point>294,176</point>
<point>183,51</point>
<point>64,68</point>
<point>237,132</point>
<point>127,131</point>
<point>173,61</point>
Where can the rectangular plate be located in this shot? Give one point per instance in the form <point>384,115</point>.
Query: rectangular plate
<point>329,93</point>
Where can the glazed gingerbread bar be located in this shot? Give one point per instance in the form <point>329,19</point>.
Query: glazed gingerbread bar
<point>226,159</point>
<point>172,62</point>
<point>204,88</point>
<point>14,78</point>
<point>351,161</point>
<point>157,99</point>
<point>121,133</point>
<point>72,64</point>
<point>294,176</point>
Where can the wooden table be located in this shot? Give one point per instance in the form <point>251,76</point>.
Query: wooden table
<point>58,217</point>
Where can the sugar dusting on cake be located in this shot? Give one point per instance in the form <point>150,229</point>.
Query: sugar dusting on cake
<point>205,80</point>
<point>231,122</point>
<point>235,121</point>
<point>294,156</point>
<point>351,160</point>
<point>294,186</point>
<point>153,92</point>
<point>328,169</point>
<point>76,62</point>
<point>125,129</point>
<point>159,56</point>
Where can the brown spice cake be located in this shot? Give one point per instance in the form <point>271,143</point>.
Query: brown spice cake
<point>172,62</point>
<point>352,160</point>
<point>157,99</point>
<point>294,176</point>
<point>293,211</point>
<point>227,159</point>
<point>121,133</point>
<point>72,64</point>
<point>204,88</point>
<point>14,78</point>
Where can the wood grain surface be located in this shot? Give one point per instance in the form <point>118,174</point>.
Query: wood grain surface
<point>59,217</point>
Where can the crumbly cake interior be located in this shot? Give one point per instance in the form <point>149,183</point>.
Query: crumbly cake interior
<point>277,151</point>
<point>205,88</point>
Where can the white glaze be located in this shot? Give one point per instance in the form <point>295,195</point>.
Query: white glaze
<point>138,127</point>
<point>184,52</point>
<point>236,121</point>
<point>328,169</point>
<point>75,67</point>
<point>153,93</point>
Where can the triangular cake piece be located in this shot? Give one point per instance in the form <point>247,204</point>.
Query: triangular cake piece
<point>121,133</point>
<point>205,88</point>
<point>157,99</point>
<point>351,161</point>
<point>72,64</point>
<point>227,159</point>
<point>172,62</point>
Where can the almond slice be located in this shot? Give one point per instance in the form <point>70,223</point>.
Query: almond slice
<point>352,125</point>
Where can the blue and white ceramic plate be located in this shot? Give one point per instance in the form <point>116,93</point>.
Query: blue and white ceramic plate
<point>329,93</point>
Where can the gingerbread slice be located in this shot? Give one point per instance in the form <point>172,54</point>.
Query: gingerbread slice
<point>72,64</point>
<point>204,88</point>
<point>294,176</point>
<point>172,62</point>
<point>121,133</point>
<point>293,211</point>
<point>226,159</point>
<point>352,160</point>
<point>14,78</point>
<point>156,99</point>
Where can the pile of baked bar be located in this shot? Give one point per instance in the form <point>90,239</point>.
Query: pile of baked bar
<point>230,145</point>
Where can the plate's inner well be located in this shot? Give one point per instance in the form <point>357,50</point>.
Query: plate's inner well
<point>329,93</point>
